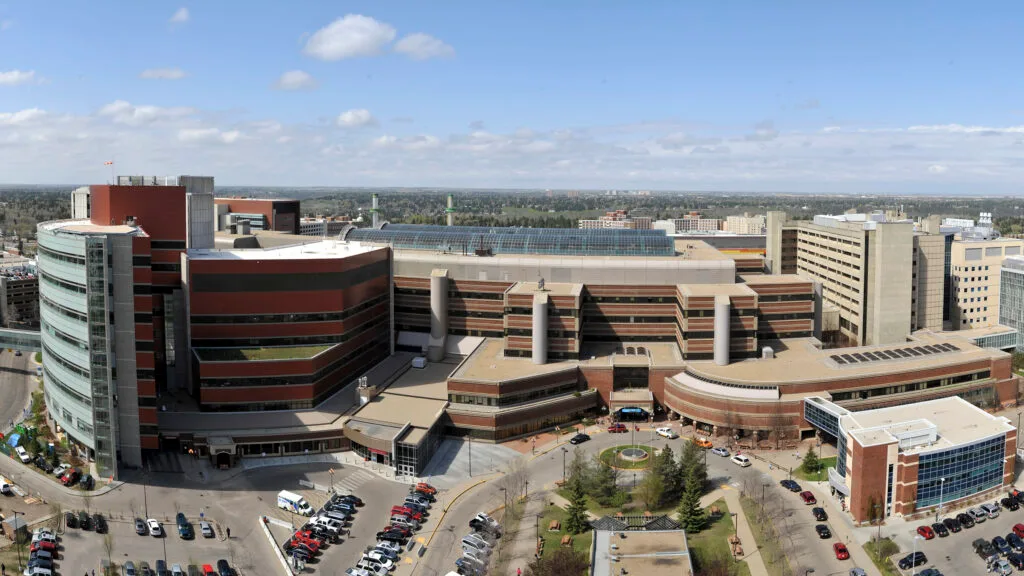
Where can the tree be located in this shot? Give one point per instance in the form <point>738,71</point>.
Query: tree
<point>811,463</point>
<point>691,515</point>
<point>108,544</point>
<point>778,424</point>
<point>651,490</point>
<point>576,513</point>
<point>665,466</point>
<point>692,469</point>
<point>564,562</point>
<point>604,486</point>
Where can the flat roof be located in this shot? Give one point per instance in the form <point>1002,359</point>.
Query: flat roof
<point>772,279</point>
<point>417,398</point>
<point>85,226</point>
<point>693,249</point>
<point>716,290</point>
<point>799,360</point>
<point>255,199</point>
<point>970,333</point>
<point>641,552</point>
<point>322,249</point>
<point>955,420</point>
<point>551,288</point>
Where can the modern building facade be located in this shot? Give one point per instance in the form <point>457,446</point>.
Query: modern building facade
<point>617,220</point>
<point>745,224</point>
<point>975,279</point>
<point>910,459</point>
<point>1011,295</point>
<point>19,297</point>
<point>274,214</point>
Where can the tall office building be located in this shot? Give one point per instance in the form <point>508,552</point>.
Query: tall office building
<point>745,224</point>
<point>975,261</point>
<point>1011,295</point>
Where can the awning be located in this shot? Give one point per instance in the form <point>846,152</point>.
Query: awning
<point>838,482</point>
<point>12,441</point>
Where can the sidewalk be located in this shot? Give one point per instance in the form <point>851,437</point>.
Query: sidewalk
<point>524,547</point>
<point>752,552</point>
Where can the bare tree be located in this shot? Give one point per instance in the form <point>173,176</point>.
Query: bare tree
<point>515,479</point>
<point>778,424</point>
<point>132,506</point>
<point>730,421</point>
<point>108,544</point>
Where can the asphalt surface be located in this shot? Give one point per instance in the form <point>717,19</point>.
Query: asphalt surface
<point>17,381</point>
<point>954,554</point>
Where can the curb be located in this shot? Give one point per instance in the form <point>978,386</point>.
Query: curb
<point>448,507</point>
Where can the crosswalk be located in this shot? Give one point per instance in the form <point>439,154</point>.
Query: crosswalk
<point>350,483</point>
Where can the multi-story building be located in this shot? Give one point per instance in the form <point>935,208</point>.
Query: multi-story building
<point>694,223</point>
<point>261,213</point>
<point>745,224</point>
<point>619,220</point>
<point>1011,296</point>
<point>19,296</point>
<point>975,262</point>
<point>321,226</point>
<point>884,279</point>
<point>915,458</point>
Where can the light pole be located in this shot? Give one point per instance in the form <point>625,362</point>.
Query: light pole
<point>808,571</point>
<point>938,511</point>
<point>564,452</point>
<point>332,479</point>
<point>17,544</point>
<point>914,556</point>
<point>470,436</point>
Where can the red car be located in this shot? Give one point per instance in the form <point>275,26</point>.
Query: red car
<point>425,488</point>
<point>407,512</point>
<point>400,529</point>
<point>808,497</point>
<point>1018,529</point>
<point>841,552</point>
<point>926,532</point>
<point>208,570</point>
<point>618,427</point>
<point>43,545</point>
<point>312,545</point>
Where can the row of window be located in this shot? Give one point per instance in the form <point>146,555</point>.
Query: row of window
<point>512,399</point>
<point>62,284</point>
<point>291,340</point>
<point>61,256</point>
<point>291,318</point>
<point>909,387</point>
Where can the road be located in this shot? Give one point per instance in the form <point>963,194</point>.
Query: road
<point>17,381</point>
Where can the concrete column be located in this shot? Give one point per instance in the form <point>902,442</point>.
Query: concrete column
<point>450,211</point>
<point>540,328</point>
<point>438,315</point>
<point>722,311</point>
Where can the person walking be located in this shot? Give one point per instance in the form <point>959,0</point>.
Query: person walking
<point>519,572</point>
<point>229,532</point>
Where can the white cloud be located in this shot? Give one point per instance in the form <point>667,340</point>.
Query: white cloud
<point>295,80</point>
<point>208,135</point>
<point>17,77</point>
<point>421,46</point>
<point>21,117</point>
<point>356,118</point>
<point>180,17</point>
<point>938,169</point>
<point>350,37</point>
<point>126,113</point>
<point>163,74</point>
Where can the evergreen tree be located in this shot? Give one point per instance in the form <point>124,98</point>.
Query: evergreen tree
<point>811,463</point>
<point>651,490</point>
<point>665,466</point>
<point>605,483</point>
<point>576,513</point>
<point>691,515</point>
<point>692,469</point>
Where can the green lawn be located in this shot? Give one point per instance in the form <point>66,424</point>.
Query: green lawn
<point>270,353</point>
<point>712,542</point>
<point>553,540</point>
<point>887,548</point>
<point>822,474</point>
<point>767,540</point>
<point>609,457</point>
<point>39,357</point>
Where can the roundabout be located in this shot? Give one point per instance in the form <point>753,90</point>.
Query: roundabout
<point>628,456</point>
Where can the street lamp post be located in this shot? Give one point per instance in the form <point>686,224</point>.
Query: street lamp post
<point>938,511</point>
<point>914,570</point>
<point>17,544</point>
<point>564,452</point>
<point>808,571</point>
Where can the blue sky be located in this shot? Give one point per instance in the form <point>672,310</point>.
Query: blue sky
<point>808,96</point>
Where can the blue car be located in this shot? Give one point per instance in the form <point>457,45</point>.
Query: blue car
<point>790,485</point>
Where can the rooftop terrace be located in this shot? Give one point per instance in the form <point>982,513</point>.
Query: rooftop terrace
<point>264,353</point>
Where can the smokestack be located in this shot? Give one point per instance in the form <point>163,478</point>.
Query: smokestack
<point>450,211</point>
<point>373,212</point>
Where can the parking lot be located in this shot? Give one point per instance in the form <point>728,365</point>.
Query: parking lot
<point>816,552</point>
<point>953,554</point>
<point>82,550</point>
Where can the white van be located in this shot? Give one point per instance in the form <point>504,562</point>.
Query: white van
<point>292,502</point>
<point>476,546</point>
<point>6,487</point>
<point>741,460</point>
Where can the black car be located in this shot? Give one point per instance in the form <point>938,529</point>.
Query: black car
<point>912,560</point>
<point>999,543</point>
<point>223,569</point>
<point>41,563</point>
<point>100,523</point>
<point>84,522</point>
<point>42,464</point>
<point>965,520</point>
<point>70,520</point>
<point>140,527</point>
<point>579,439</point>
<point>1016,560</point>
<point>1015,542</point>
<point>940,529</point>
<point>823,531</point>
<point>819,514</point>
<point>87,482</point>
<point>791,485</point>
<point>1010,504</point>
<point>952,525</point>
<point>185,531</point>
<point>348,499</point>
<point>391,536</point>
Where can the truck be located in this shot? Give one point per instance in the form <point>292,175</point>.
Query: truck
<point>292,502</point>
<point>5,486</point>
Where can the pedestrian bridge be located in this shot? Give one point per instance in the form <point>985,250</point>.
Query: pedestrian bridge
<point>24,340</point>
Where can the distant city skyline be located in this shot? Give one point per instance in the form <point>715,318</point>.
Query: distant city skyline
<point>871,98</point>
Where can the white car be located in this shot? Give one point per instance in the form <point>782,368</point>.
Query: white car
<point>374,568</point>
<point>22,455</point>
<point>155,529</point>
<point>667,433</point>
<point>389,545</point>
<point>380,558</point>
<point>60,470</point>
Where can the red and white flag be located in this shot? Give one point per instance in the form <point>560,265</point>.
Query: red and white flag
<point>108,163</point>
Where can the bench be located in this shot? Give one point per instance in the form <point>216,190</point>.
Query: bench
<point>555,526</point>
<point>567,540</point>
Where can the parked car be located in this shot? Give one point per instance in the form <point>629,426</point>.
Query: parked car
<point>425,488</point>
<point>1010,504</point>
<point>1018,529</point>
<point>618,428</point>
<point>22,455</point>
<point>70,477</point>
<point>951,524</point>
<point>940,529</point>
<point>60,470</point>
<point>666,432</point>
<point>912,560</point>
<point>1002,567</point>
<point>185,531</point>
<point>84,521</point>
<point>388,545</point>
<point>819,514</point>
<point>379,558</point>
<point>205,529</point>
<point>790,485</point>
<point>223,568</point>
<point>808,497</point>
<point>841,552</point>
<point>208,570</point>
<point>978,515</point>
<point>161,568</point>
<point>43,464</point>
<point>350,498</point>
<point>140,527</point>
<point>1016,560</point>
<point>1015,542</point>
<point>703,442</point>
<point>965,520</point>
<point>823,531</point>
<point>129,568</point>
<point>48,545</point>
<point>723,452</point>
<point>579,439</point>
<point>990,510</point>
<point>926,532</point>
<point>1000,544</point>
<point>70,520</point>
<point>155,530</point>
<point>87,482</point>
<point>390,536</point>
<point>100,523</point>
